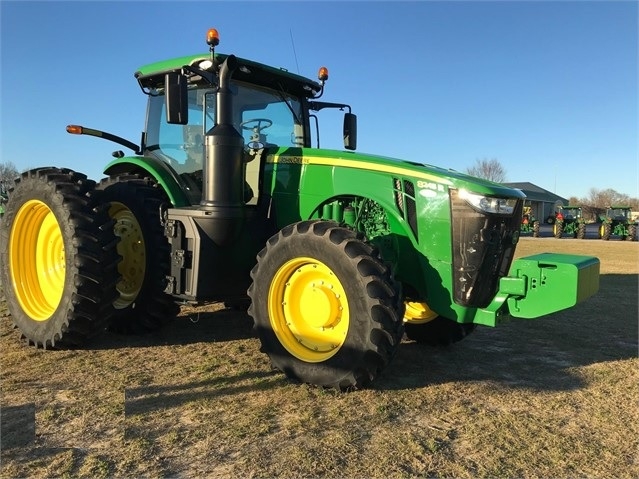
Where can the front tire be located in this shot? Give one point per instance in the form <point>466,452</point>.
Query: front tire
<point>326,308</point>
<point>605,231</point>
<point>59,259</point>
<point>558,229</point>
<point>632,233</point>
<point>134,204</point>
<point>438,331</point>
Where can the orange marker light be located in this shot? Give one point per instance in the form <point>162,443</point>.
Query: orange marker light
<point>74,129</point>
<point>323,74</point>
<point>212,37</point>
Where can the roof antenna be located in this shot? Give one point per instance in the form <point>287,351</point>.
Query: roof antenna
<point>294,53</point>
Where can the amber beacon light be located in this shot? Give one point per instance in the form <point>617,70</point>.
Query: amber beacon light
<point>212,37</point>
<point>322,75</point>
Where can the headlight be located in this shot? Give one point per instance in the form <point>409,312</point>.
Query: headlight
<point>488,204</point>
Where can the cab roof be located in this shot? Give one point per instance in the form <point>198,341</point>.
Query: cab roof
<point>151,76</point>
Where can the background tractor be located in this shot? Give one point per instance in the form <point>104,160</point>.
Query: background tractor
<point>569,221</point>
<point>336,254</point>
<point>528,222</point>
<point>548,224</point>
<point>617,221</point>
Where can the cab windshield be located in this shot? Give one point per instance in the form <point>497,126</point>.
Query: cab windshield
<point>260,115</point>
<point>620,214</point>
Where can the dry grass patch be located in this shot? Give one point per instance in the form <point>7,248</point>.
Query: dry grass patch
<point>553,397</point>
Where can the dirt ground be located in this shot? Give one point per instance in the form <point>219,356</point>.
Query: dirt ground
<point>551,397</point>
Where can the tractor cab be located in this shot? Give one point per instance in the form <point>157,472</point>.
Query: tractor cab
<point>619,213</point>
<point>571,213</point>
<point>202,96</point>
<point>265,119</point>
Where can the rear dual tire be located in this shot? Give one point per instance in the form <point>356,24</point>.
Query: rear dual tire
<point>134,205</point>
<point>581,231</point>
<point>58,258</point>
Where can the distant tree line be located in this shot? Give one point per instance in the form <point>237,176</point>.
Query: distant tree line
<point>8,172</point>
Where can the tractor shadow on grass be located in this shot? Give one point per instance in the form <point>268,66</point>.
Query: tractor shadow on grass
<point>189,327</point>
<point>540,354</point>
<point>140,400</point>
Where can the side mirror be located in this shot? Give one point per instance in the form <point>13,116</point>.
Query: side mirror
<point>350,131</point>
<point>176,97</point>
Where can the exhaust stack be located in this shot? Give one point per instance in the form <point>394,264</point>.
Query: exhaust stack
<point>223,175</point>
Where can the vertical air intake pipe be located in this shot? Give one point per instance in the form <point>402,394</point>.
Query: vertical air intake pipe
<point>223,179</point>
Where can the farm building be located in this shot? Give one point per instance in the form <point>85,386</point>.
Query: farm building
<point>542,202</point>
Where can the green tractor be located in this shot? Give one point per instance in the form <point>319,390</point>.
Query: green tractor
<point>337,255</point>
<point>618,221</point>
<point>569,221</point>
<point>529,224</point>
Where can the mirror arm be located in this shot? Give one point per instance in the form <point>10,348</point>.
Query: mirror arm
<point>206,75</point>
<point>320,105</point>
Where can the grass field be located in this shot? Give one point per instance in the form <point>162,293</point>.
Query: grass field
<point>552,397</point>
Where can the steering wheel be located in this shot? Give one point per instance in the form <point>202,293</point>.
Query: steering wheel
<point>246,125</point>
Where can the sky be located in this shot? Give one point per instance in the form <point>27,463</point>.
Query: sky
<point>549,89</point>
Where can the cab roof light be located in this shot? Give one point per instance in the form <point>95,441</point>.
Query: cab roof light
<point>212,37</point>
<point>322,75</point>
<point>212,40</point>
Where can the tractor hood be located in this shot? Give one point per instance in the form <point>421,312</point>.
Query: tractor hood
<point>418,171</point>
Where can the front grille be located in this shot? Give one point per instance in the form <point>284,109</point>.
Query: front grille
<point>483,247</point>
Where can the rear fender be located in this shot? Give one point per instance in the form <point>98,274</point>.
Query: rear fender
<point>542,284</point>
<point>154,168</point>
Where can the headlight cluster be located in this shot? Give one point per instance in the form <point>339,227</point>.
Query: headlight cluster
<point>487,204</point>
<point>485,231</point>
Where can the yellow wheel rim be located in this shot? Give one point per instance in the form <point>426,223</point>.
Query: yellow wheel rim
<point>308,309</point>
<point>418,313</point>
<point>602,230</point>
<point>37,260</point>
<point>133,251</point>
